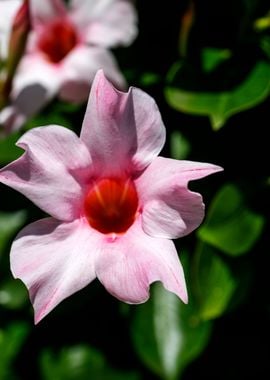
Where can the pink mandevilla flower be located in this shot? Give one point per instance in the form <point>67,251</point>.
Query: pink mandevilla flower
<point>115,205</point>
<point>65,49</point>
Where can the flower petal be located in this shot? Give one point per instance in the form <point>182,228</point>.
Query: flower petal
<point>170,209</point>
<point>35,80</point>
<point>54,260</point>
<point>8,10</point>
<point>124,126</point>
<point>105,23</point>
<point>11,119</point>
<point>35,71</point>
<point>79,69</point>
<point>21,109</point>
<point>52,172</point>
<point>43,12</point>
<point>131,262</point>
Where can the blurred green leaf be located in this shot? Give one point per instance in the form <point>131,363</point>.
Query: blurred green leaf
<point>212,57</point>
<point>9,224</point>
<point>262,23</point>
<point>13,294</point>
<point>11,340</point>
<point>230,226</point>
<point>149,79</point>
<point>265,44</point>
<point>144,336</point>
<point>8,150</point>
<point>219,106</point>
<point>79,362</point>
<point>167,334</point>
<point>180,146</point>
<point>212,281</point>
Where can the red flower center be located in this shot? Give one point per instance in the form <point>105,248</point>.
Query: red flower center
<point>57,40</point>
<point>111,205</point>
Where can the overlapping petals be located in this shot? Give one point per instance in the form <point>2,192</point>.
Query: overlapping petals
<point>113,168</point>
<point>44,81</point>
<point>45,255</point>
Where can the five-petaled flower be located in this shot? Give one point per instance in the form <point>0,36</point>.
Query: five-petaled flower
<point>65,49</point>
<point>114,205</point>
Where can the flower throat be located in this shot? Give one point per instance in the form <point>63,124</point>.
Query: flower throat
<point>111,205</point>
<point>57,40</point>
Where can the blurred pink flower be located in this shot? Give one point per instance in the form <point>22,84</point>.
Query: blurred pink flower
<point>18,18</point>
<point>115,205</point>
<point>65,49</point>
<point>8,10</point>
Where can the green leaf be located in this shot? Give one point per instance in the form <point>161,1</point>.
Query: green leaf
<point>230,226</point>
<point>79,362</point>
<point>180,146</point>
<point>262,23</point>
<point>212,57</point>
<point>213,282</point>
<point>9,224</point>
<point>167,334</point>
<point>13,294</point>
<point>144,336</point>
<point>11,340</point>
<point>219,106</point>
<point>8,150</point>
<point>149,79</point>
<point>265,45</point>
